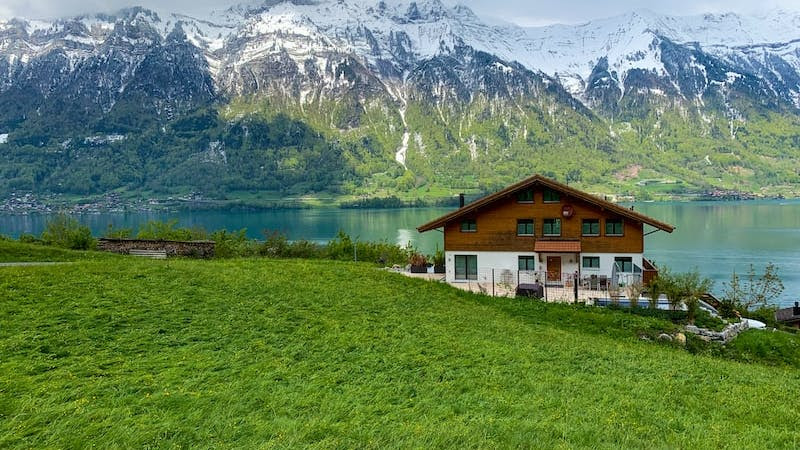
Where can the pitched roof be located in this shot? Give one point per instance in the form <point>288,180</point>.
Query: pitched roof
<point>552,184</point>
<point>557,246</point>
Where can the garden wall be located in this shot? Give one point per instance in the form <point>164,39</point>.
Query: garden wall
<point>194,249</point>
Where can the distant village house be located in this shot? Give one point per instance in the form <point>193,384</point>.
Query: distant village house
<point>789,316</point>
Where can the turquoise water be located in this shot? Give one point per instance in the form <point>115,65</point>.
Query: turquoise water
<point>715,237</point>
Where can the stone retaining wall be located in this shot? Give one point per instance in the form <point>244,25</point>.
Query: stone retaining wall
<point>728,334</point>
<point>194,249</point>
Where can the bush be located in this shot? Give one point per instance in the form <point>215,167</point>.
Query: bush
<point>167,231</point>
<point>765,314</point>
<point>754,290</point>
<point>66,232</point>
<point>118,233</point>
<point>343,248</point>
<point>276,245</point>
<point>232,244</point>
<point>417,259</point>
<point>27,238</point>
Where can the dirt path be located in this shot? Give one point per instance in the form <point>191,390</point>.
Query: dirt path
<point>31,263</point>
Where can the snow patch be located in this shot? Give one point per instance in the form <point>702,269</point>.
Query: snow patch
<point>107,139</point>
<point>419,142</point>
<point>402,151</point>
<point>473,148</point>
<point>502,67</point>
<point>731,77</point>
<point>33,26</point>
<point>4,138</point>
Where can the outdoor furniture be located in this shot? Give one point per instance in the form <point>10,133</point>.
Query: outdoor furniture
<point>603,282</point>
<point>531,290</point>
<point>593,282</point>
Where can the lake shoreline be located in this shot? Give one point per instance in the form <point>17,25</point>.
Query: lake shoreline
<point>717,237</point>
<point>31,204</point>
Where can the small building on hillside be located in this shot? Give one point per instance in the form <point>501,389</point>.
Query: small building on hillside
<point>789,316</point>
<point>548,230</point>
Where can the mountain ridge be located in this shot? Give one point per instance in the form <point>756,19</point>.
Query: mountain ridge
<point>407,96</point>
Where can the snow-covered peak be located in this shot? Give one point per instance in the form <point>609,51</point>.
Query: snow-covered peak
<point>391,37</point>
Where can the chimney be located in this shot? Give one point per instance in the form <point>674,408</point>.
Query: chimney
<point>460,200</point>
<point>796,309</point>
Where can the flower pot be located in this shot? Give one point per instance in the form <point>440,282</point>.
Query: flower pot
<point>439,269</point>
<point>419,269</point>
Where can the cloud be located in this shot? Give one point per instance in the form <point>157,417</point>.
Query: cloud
<point>533,13</point>
<point>523,12</point>
<point>47,9</point>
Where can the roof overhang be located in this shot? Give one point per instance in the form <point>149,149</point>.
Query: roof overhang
<point>563,188</point>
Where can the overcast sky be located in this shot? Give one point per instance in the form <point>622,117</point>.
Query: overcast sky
<point>523,12</point>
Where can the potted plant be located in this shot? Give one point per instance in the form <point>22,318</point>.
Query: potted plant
<point>418,263</point>
<point>438,261</point>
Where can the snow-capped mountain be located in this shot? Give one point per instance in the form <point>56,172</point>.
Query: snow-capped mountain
<point>596,61</point>
<point>431,87</point>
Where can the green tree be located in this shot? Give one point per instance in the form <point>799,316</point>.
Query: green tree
<point>168,231</point>
<point>754,290</point>
<point>684,289</point>
<point>66,232</point>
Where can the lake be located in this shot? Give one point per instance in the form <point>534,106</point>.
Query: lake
<point>715,237</point>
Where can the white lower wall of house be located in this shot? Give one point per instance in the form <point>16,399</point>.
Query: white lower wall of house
<point>569,262</point>
<point>509,261</point>
<point>607,262</point>
<point>499,261</point>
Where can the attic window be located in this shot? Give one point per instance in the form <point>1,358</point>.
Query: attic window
<point>525,196</point>
<point>551,196</point>
<point>469,226</point>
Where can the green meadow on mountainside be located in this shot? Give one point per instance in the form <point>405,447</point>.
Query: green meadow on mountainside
<point>291,353</point>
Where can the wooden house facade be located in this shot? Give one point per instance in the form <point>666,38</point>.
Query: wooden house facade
<point>545,227</point>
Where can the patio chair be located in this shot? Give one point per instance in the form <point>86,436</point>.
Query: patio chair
<point>593,283</point>
<point>603,281</point>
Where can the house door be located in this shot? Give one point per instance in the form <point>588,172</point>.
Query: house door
<point>553,268</point>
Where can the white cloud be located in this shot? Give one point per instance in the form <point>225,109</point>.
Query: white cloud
<point>524,12</point>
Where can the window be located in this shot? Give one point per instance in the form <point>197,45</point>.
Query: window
<point>552,227</point>
<point>624,264</point>
<point>551,196</point>
<point>469,226</point>
<point>591,227</point>
<point>466,267</point>
<point>527,263</point>
<point>524,227</point>
<point>591,262</point>
<point>525,196</point>
<point>613,227</point>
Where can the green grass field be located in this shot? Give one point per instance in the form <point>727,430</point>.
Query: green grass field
<point>122,352</point>
<point>14,251</point>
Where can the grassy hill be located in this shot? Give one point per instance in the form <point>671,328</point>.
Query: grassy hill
<point>247,353</point>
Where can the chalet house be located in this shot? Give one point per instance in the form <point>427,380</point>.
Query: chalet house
<point>546,228</point>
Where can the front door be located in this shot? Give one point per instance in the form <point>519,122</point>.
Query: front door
<point>553,268</point>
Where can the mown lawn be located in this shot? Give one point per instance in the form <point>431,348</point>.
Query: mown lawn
<point>252,353</point>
